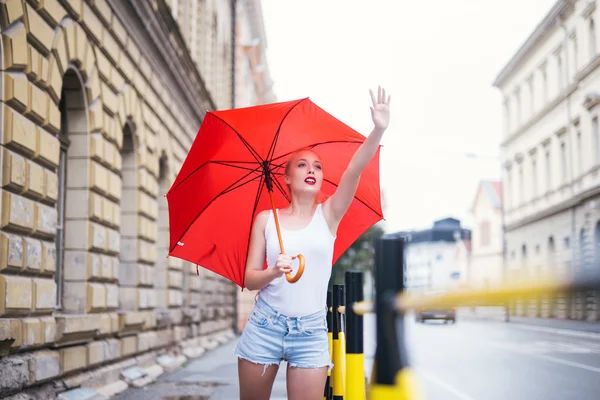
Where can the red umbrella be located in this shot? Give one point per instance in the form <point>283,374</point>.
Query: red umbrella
<point>235,169</point>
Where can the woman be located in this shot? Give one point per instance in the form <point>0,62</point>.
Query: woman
<point>288,321</point>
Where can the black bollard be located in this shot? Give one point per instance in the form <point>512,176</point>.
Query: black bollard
<point>355,361</point>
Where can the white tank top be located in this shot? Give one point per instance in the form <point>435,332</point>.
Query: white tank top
<point>309,294</point>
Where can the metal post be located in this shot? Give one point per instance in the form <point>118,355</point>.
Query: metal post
<point>392,377</point>
<point>355,368</point>
<point>339,369</point>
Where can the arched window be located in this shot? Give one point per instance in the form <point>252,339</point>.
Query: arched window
<point>73,176</point>
<point>130,275</point>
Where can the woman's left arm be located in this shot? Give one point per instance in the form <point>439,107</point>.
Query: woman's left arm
<point>337,205</point>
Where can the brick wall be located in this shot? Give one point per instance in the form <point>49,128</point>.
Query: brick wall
<point>86,289</point>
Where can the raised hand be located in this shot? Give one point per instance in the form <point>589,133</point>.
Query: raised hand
<point>380,111</point>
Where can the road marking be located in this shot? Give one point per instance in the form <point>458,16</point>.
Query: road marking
<point>546,357</point>
<point>459,395</point>
<point>558,331</point>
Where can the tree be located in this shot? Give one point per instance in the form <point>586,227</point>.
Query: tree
<point>358,257</point>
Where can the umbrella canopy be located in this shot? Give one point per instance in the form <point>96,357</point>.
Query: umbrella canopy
<point>235,169</point>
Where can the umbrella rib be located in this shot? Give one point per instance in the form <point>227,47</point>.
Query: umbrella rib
<point>239,185</point>
<point>315,145</point>
<point>227,164</point>
<point>224,191</point>
<point>276,138</point>
<point>224,163</point>
<point>278,184</point>
<point>256,200</point>
<point>248,146</point>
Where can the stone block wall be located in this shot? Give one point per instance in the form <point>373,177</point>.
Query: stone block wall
<point>98,107</point>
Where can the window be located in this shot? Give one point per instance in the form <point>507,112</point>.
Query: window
<point>563,162</point>
<point>531,96</point>
<point>560,71</point>
<point>582,248</point>
<point>534,189</point>
<point>579,154</point>
<point>592,33</point>
<point>521,186</point>
<point>596,136</point>
<point>544,83</point>
<point>509,191</point>
<point>518,105</point>
<point>484,233</point>
<point>574,46</point>
<point>507,121</point>
<point>548,171</point>
<point>60,227</point>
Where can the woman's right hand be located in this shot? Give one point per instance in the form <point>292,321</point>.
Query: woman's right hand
<point>283,265</point>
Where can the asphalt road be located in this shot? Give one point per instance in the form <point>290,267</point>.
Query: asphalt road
<point>472,360</point>
<point>490,360</point>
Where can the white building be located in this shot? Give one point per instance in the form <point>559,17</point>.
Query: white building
<point>551,146</point>
<point>435,258</point>
<point>486,268</point>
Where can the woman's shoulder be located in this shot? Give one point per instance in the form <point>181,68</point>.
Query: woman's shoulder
<point>263,215</point>
<point>262,218</point>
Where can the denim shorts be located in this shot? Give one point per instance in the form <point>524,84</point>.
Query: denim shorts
<point>270,337</point>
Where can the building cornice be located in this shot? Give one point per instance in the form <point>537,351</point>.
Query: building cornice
<point>149,28</point>
<point>591,100</point>
<point>536,37</point>
<point>575,201</point>
<point>589,9</point>
<point>541,114</point>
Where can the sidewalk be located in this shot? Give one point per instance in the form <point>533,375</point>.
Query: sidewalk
<point>497,314</point>
<point>213,376</point>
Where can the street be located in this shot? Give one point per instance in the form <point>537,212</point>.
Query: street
<point>489,360</point>
<point>475,359</point>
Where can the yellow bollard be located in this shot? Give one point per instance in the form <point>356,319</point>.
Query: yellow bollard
<point>355,360</point>
<point>339,364</point>
<point>328,392</point>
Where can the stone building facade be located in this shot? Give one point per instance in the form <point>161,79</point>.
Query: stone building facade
<point>208,34</point>
<point>100,101</point>
<point>551,146</point>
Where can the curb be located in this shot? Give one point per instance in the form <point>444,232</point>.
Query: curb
<point>168,361</point>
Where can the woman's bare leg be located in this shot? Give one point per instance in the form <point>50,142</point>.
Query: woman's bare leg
<point>306,383</point>
<point>256,382</point>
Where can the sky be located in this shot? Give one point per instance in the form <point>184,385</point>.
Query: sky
<point>436,58</point>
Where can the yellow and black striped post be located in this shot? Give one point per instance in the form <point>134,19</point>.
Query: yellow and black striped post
<point>328,392</point>
<point>339,355</point>
<point>355,361</point>
<point>392,377</point>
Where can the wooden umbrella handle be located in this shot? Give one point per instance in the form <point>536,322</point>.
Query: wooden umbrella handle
<point>300,271</point>
<point>294,279</point>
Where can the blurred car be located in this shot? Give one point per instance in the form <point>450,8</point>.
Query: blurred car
<point>440,313</point>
